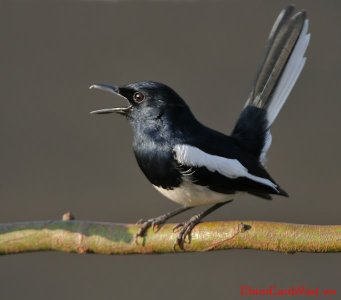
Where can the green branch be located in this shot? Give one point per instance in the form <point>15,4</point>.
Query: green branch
<point>108,238</point>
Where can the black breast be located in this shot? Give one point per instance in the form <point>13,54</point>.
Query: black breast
<point>159,166</point>
<point>153,148</point>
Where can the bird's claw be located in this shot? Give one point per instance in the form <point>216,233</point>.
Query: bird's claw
<point>156,227</point>
<point>185,232</point>
<point>177,226</point>
<point>155,223</point>
<point>141,221</point>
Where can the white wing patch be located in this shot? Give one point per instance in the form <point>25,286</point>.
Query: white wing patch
<point>291,72</point>
<point>193,157</point>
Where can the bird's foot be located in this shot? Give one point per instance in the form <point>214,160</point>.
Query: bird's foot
<point>185,231</point>
<point>155,223</point>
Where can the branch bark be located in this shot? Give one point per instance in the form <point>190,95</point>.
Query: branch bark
<point>108,238</point>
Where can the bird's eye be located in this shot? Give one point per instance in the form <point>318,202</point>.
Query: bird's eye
<point>138,97</point>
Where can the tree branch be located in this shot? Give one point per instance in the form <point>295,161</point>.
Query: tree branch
<point>108,238</point>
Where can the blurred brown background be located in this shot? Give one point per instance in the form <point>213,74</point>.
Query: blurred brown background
<point>56,157</point>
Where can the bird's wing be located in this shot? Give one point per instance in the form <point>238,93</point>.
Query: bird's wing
<point>283,62</point>
<point>224,172</point>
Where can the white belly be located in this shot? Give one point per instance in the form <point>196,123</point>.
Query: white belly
<point>189,194</point>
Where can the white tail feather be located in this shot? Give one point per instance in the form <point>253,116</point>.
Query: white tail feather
<point>290,74</point>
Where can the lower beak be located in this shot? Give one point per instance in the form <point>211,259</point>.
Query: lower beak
<point>112,89</point>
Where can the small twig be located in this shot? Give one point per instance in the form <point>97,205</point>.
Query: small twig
<point>68,216</point>
<point>239,229</point>
<point>108,238</point>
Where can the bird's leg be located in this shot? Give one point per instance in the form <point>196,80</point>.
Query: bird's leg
<point>187,227</point>
<point>156,222</point>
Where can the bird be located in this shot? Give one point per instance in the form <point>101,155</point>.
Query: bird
<point>194,165</point>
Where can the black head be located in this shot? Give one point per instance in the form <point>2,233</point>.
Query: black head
<point>146,100</point>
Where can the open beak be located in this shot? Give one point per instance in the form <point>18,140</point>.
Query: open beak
<point>112,89</point>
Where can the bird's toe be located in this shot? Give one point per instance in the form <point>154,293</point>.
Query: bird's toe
<point>185,232</point>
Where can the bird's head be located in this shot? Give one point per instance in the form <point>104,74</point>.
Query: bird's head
<point>146,100</point>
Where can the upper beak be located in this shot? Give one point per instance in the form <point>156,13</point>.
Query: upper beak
<point>112,89</point>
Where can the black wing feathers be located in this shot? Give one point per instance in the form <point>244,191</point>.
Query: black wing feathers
<point>216,143</point>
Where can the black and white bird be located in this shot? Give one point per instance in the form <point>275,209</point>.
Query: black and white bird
<point>194,165</point>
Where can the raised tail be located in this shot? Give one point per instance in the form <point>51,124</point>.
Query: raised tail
<point>283,62</point>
